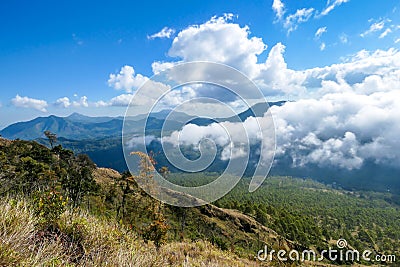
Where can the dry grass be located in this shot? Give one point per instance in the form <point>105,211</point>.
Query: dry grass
<point>17,232</point>
<point>93,242</point>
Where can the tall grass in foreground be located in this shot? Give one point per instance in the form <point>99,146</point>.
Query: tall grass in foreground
<point>84,240</point>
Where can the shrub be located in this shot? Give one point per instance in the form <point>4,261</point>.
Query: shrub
<point>48,206</point>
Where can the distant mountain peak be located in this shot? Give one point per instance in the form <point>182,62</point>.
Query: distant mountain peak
<point>76,115</point>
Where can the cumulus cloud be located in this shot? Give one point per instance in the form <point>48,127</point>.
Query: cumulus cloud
<point>342,129</point>
<point>126,79</point>
<point>320,31</point>
<point>340,77</point>
<point>164,33</point>
<point>233,137</point>
<point>147,96</point>
<point>82,102</point>
<point>219,41</point>
<point>26,102</point>
<point>117,101</point>
<point>223,41</point>
<point>279,8</point>
<point>121,100</point>
<point>348,113</point>
<point>300,16</point>
<point>276,78</point>
<point>65,102</point>
<point>178,96</point>
<point>161,66</point>
<point>331,6</point>
<point>354,116</point>
<point>212,41</point>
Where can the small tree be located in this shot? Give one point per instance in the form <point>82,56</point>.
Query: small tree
<point>126,183</point>
<point>52,137</point>
<point>157,229</point>
<point>77,179</point>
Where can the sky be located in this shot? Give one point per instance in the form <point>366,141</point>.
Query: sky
<point>338,61</point>
<point>57,57</point>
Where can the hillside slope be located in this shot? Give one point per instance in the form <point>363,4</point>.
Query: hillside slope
<point>59,209</point>
<point>58,234</point>
<point>101,243</point>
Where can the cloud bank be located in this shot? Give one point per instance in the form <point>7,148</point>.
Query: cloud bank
<point>345,114</point>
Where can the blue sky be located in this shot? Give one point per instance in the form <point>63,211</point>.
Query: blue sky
<point>52,50</point>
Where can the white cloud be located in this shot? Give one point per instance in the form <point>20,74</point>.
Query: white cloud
<point>302,15</point>
<point>279,8</point>
<point>207,42</point>
<point>341,129</point>
<point>118,101</point>
<point>375,27</point>
<point>82,102</point>
<point>276,78</point>
<point>226,42</point>
<point>331,7</point>
<point>121,100</point>
<point>397,41</point>
<point>234,138</point>
<point>349,111</point>
<point>354,69</point>
<point>386,32</point>
<point>161,66</point>
<point>353,118</point>
<point>126,79</point>
<point>322,46</point>
<point>138,140</point>
<point>320,31</point>
<point>219,41</point>
<point>164,33</point>
<point>63,102</point>
<point>176,97</point>
<point>147,96</point>
<point>26,102</point>
<point>101,103</point>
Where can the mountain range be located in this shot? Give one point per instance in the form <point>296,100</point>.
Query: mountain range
<point>80,127</point>
<point>100,138</point>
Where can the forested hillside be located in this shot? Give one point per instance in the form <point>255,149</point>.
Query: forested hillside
<point>61,209</point>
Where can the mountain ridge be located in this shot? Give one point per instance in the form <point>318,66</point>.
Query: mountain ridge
<point>77,126</point>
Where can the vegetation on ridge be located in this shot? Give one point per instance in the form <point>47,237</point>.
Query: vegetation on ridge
<point>60,209</point>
